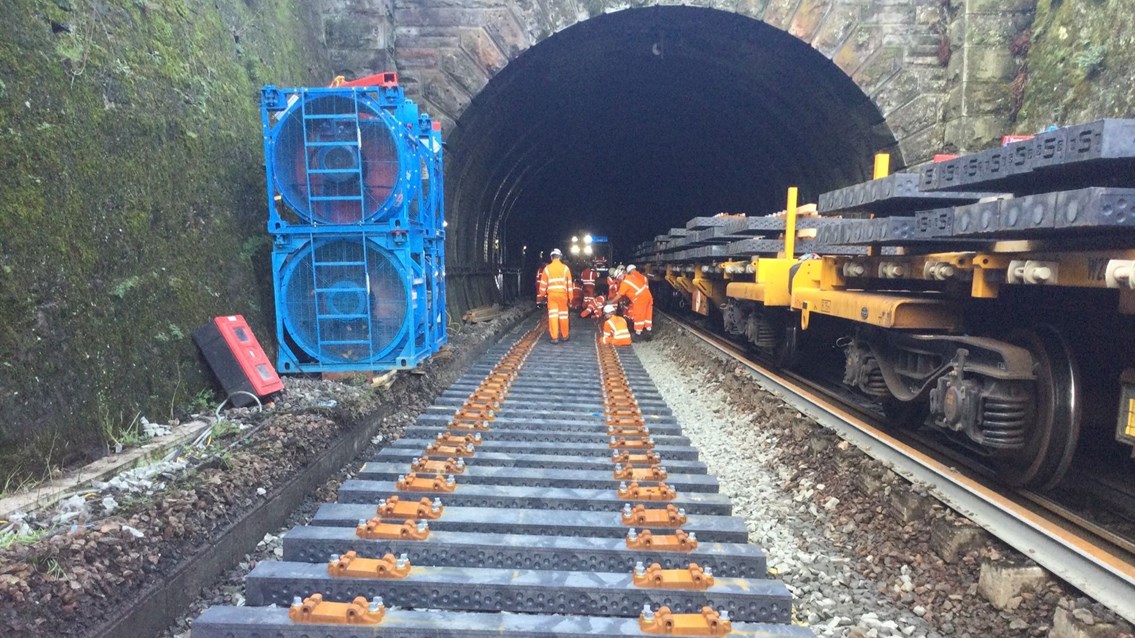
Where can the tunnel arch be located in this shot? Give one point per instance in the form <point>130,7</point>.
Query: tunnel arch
<point>631,122</point>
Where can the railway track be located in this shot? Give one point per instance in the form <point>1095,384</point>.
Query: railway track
<point>1087,555</point>
<point>526,502</point>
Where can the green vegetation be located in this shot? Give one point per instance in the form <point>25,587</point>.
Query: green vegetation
<point>1079,61</point>
<point>131,205</point>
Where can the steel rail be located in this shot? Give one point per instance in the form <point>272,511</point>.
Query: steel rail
<point>1103,573</point>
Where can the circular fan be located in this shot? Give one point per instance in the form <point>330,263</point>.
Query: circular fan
<point>348,170</point>
<point>346,300</point>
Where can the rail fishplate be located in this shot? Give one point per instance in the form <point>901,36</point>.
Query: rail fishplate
<point>349,565</point>
<point>314,610</point>
<point>654,577</point>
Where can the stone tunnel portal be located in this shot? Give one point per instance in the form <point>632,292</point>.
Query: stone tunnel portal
<point>632,122</point>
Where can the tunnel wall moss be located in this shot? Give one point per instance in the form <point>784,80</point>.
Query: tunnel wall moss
<point>1080,59</point>
<point>131,205</point>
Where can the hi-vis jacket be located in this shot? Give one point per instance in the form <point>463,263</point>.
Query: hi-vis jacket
<point>555,281</point>
<point>616,332</point>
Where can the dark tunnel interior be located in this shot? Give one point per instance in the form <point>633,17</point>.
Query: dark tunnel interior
<point>633,122</point>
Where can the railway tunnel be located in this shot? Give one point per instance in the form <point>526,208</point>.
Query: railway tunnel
<point>632,122</point>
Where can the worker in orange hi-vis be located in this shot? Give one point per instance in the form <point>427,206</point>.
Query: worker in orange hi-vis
<point>614,278</point>
<point>636,289</point>
<point>556,285</point>
<point>615,331</point>
<point>595,308</point>
<point>587,278</point>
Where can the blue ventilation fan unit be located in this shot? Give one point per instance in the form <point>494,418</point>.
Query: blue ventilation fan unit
<point>343,156</point>
<point>354,302</point>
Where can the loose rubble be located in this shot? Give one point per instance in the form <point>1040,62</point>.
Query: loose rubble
<point>852,540</point>
<point>79,564</point>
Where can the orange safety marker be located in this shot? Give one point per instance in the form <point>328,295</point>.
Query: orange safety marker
<point>448,466</point>
<point>437,449</point>
<point>313,610</point>
<point>666,623</point>
<point>639,515</point>
<point>635,492</point>
<point>395,507</point>
<point>375,529</point>
<point>349,565</point>
<point>413,483</point>
<point>679,541</point>
<point>654,577</point>
<point>652,473</point>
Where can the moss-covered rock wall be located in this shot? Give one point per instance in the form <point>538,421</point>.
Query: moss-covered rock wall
<point>1080,60</point>
<point>131,204</point>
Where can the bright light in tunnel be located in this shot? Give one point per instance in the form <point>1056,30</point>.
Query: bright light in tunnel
<point>587,250</point>
<point>574,239</point>
<point>587,239</point>
<point>575,249</point>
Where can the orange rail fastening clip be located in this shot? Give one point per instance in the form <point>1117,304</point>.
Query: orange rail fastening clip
<point>474,415</point>
<point>446,438</point>
<point>375,529</point>
<point>314,610</point>
<point>671,516</point>
<point>652,473</point>
<point>635,492</point>
<point>395,507</point>
<point>437,449</point>
<point>628,430</point>
<point>637,443</point>
<point>654,577</point>
<point>413,483</point>
<point>626,458</point>
<point>666,623</point>
<point>626,421</point>
<point>448,466</point>
<point>471,425</point>
<point>679,541</point>
<point>349,565</point>
<point>481,404</point>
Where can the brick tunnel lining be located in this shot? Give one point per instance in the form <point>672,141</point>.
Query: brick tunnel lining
<point>633,122</point>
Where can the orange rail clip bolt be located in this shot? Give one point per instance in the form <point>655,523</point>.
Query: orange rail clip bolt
<point>395,507</point>
<point>471,425</point>
<point>637,443</point>
<point>679,541</point>
<point>413,483</point>
<point>664,622</point>
<point>314,610</point>
<point>635,492</point>
<point>652,473</point>
<point>448,466</point>
<point>639,515</point>
<point>349,565</point>
<point>626,458</point>
<point>375,529</point>
<point>445,438</point>
<point>654,577</point>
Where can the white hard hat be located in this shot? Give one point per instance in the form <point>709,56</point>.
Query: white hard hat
<point>631,267</point>
<point>556,252</point>
<point>609,309</point>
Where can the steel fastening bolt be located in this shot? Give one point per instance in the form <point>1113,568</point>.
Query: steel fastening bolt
<point>614,440</point>
<point>468,447</point>
<point>362,522</point>
<point>618,468</point>
<point>376,603</point>
<point>423,526</point>
<point>631,534</point>
<point>436,504</point>
<point>622,486</point>
<point>627,509</point>
<point>449,480</point>
<point>297,601</point>
<point>401,561</point>
<point>693,537</point>
<point>682,512</point>
<point>724,613</point>
<point>708,571</point>
<point>639,568</point>
<point>334,558</point>
<point>647,612</point>
<point>401,478</point>
<point>477,437</point>
<point>440,436</point>
<point>614,453</point>
<point>381,503</point>
<point>460,463</point>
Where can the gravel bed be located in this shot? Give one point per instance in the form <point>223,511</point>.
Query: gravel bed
<point>94,553</point>
<point>826,514</point>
